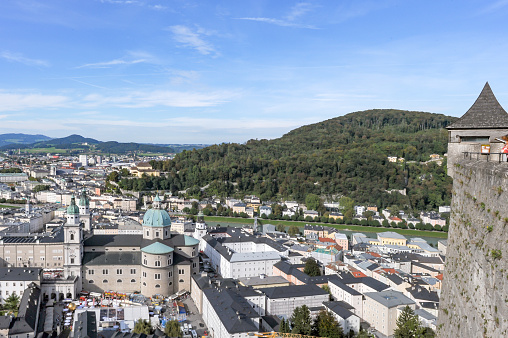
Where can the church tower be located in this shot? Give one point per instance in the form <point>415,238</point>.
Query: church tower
<point>73,242</point>
<point>200,229</point>
<point>84,211</point>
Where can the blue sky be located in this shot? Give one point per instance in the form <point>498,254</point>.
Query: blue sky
<point>180,71</point>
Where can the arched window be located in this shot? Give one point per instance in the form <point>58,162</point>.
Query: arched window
<point>91,281</point>
<point>144,284</point>
<point>105,281</point>
<point>157,263</point>
<point>133,281</point>
<point>118,280</point>
<point>157,286</point>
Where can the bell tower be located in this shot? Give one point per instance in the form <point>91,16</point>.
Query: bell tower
<point>73,242</point>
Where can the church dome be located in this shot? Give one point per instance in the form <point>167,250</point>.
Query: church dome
<point>156,218</point>
<point>73,209</point>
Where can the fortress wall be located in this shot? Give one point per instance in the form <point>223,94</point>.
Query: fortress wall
<point>474,301</point>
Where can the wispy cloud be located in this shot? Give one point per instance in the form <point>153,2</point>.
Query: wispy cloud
<point>295,13</point>
<point>134,2</point>
<point>17,57</point>
<point>131,58</point>
<point>160,98</point>
<point>193,39</point>
<point>495,6</point>
<point>16,102</point>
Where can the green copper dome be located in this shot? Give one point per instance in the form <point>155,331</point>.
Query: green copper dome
<point>84,201</point>
<point>157,249</point>
<point>156,218</point>
<point>73,209</point>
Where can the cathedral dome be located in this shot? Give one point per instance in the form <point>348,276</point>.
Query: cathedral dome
<point>84,201</point>
<point>156,218</point>
<point>73,209</point>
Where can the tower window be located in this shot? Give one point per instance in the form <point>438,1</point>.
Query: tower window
<point>157,263</point>
<point>72,237</point>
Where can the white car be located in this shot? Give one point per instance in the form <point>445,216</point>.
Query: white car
<point>194,334</point>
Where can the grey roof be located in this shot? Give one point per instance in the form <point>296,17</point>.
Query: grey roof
<point>389,298</point>
<point>233,310</point>
<point>253,281</point>
<point>485,113</point>
<point>26,322</point>
<point>111,258</point>
<point>336,307</point>
<point>5,322</point>
<point>293,291</point>
<point>423,294</point>
<point>345,287</point>
<point>86,325</point>
<point>20,274</point>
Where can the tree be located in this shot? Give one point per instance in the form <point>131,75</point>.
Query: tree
<point>284,326</point>
<point>293,230</point>
<point>301,321</point>
<point>172,329</point>
<point>143,326</point>
<point>314,202</point>
<point>281,227</point>
<point>11,304</point>
<point>327,326</point>
<point>408,325</point>
<point>312,268</point>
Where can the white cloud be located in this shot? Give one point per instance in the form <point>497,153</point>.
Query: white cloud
<point>495,6</point>
<point>155,98</point>
<point>16,102</point>
<point>296,12</point>
<point>132,58</point>
<point>16,57</point>
<point>192,39</point>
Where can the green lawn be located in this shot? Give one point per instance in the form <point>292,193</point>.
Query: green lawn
<point>359,228</point>
<point>8,206</point>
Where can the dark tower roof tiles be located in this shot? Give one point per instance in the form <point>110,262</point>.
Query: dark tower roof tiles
<point>485,113</point>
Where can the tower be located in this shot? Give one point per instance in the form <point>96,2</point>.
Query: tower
<point>482,125</point>
<point>84,210</point>
<point>200,229</point>
<point>73,242</point>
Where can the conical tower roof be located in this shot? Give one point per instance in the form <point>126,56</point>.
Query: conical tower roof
<point>485,113</point>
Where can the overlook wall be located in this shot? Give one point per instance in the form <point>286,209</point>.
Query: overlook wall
<point>474,300</point>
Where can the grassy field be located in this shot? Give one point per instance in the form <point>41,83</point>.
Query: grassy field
<point>359,228</point>
<point>8,206</point>
<point>47,150</point>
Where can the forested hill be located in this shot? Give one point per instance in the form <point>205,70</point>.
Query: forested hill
<point>346,155</point>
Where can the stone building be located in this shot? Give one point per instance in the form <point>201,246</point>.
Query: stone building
<point>483,124</point>
<point>156,262</point>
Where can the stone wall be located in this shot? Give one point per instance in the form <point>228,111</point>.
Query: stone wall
<point>474,301</point>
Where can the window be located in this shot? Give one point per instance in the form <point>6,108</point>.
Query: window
<point>157,263</point>
<point>72,237</point>
<point>145,262</point>
<point>170,273</point>
<point>91,281</point>
<point>119,271</point>
<point>144,274</point>
<point>157,285</point>
<point>144,284</point>
<point>181,271</point>
<point>157,276</point>
<point>194,265</point>
<point>72,260</point>
<point>170,283</point>
<point>105,281</point>
<point>133,271</point>
<point>91,272</point>
<point>105,271</point>
<point>133,281</point>
<point>475,139</point>
<point>157,234</point>
<point>118,280</point>
<point>148,233</point>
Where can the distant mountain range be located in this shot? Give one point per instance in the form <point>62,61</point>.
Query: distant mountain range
<point>21,139</point>
<point>78,142</point>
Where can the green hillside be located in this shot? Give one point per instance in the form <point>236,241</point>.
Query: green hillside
<point>346,156</point>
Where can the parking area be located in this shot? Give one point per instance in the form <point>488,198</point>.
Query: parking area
<point>194,318</point>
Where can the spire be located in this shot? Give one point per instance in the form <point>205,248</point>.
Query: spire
<point>485,113</point>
